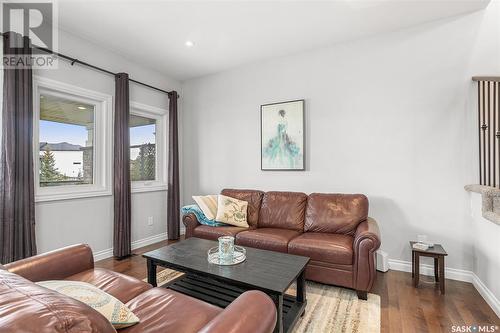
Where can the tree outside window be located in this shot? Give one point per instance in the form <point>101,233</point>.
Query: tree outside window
<point>142,148</point>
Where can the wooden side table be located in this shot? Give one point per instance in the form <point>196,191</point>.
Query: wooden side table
<point>438,253</point>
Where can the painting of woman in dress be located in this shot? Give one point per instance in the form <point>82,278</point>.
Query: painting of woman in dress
<point>282,126</point>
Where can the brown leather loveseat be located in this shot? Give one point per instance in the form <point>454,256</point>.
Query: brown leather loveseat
<point>27,307</point>
<point>334,230</point>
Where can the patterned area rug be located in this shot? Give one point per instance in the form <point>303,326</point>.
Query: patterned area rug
<point>329,309</point>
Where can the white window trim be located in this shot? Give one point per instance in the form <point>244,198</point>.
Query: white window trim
<point>160,115</point>
<point>102,145</point>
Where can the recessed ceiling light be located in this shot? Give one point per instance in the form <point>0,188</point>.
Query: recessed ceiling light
<point>82,108</point>
<point>189,43</point>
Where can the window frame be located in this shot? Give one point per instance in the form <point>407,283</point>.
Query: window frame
<point>160,115</point>
<point>102,142</point>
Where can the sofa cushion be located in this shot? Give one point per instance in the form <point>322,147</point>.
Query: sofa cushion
<point>212,233</point>
<point>283,210</point>
<point>26,307</point>
<point>164,310</point>
<point>119,285</point>
<point>335,213</point>
<point>272,239</point>
<point>332,248</point>
<point>254,199</point>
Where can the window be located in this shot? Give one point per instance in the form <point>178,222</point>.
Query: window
<point>147,148</point>
<point>71,141</point>
<point>66,132</point>
<point>142,148</point>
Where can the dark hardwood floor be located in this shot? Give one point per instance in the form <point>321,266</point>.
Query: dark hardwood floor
<point>404,309</point>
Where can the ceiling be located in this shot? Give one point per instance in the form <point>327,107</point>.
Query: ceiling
<point>228,34</point>
<point>65,111</point>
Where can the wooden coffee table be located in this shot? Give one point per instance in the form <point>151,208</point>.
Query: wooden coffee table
<point>268,271</point>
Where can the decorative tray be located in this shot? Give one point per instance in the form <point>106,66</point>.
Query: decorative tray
<point>239,256</point>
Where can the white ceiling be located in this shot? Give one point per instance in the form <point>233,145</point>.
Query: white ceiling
<point>228,34</point>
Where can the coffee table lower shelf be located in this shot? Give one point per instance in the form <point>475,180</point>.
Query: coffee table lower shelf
<point>222,294</point>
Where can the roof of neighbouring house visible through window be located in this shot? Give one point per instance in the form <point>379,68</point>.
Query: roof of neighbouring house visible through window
<point>61,146</point>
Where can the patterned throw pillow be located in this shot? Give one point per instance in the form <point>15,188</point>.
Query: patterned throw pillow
<point>115,311</point>
<point>232,211</point>
<point>208,205</point>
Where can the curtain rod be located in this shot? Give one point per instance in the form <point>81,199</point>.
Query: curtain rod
<point>83,63</point>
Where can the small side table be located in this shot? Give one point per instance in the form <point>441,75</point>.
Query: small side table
<point>438,253</point>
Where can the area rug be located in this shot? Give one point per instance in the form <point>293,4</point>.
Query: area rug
<point>329,309</point>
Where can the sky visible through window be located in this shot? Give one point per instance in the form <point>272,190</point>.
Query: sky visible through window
<point>142,134</point>
<point>54,132</point>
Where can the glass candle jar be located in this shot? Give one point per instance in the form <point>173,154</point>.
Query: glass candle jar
<point>226,247</point>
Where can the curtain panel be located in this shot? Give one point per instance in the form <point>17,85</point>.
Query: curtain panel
<point>122,246</point>
<point>17,199</point>
<point>173,202</point>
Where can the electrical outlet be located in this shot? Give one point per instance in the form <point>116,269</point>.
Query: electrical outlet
<point>150,221</point>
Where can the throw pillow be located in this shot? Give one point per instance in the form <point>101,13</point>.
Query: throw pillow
<point>115,311</point>
<point>208,204</point>
<point>232,211</point>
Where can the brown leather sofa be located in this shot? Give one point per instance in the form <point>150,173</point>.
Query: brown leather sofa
<point>27,307</point>
<point>334,230</point>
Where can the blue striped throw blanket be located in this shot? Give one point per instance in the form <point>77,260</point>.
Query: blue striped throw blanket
<point>200,216</point>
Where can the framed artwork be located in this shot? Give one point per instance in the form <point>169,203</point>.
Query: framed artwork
<point>282,138</point>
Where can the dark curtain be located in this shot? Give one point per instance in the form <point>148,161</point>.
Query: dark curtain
<point>121,185</point>
<point>17,203</point>
<point>173,206</point>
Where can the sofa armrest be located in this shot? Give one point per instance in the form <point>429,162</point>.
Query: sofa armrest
<point>366,242</point>
<point>191,222</point>
<point>368,229</point>
<point>54,265</point>
<point>252,312</point>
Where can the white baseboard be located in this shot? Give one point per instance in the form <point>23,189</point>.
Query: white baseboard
<point>488,296</point>
<point>450,273</point>
<point>453,274</point>
<point>103,254</point>
<point>149,240</point>
<point>108,253</point>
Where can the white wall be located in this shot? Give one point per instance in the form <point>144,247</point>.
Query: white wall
<point>391,116</point>
<point>90,220</point>
<point>486,253</point>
